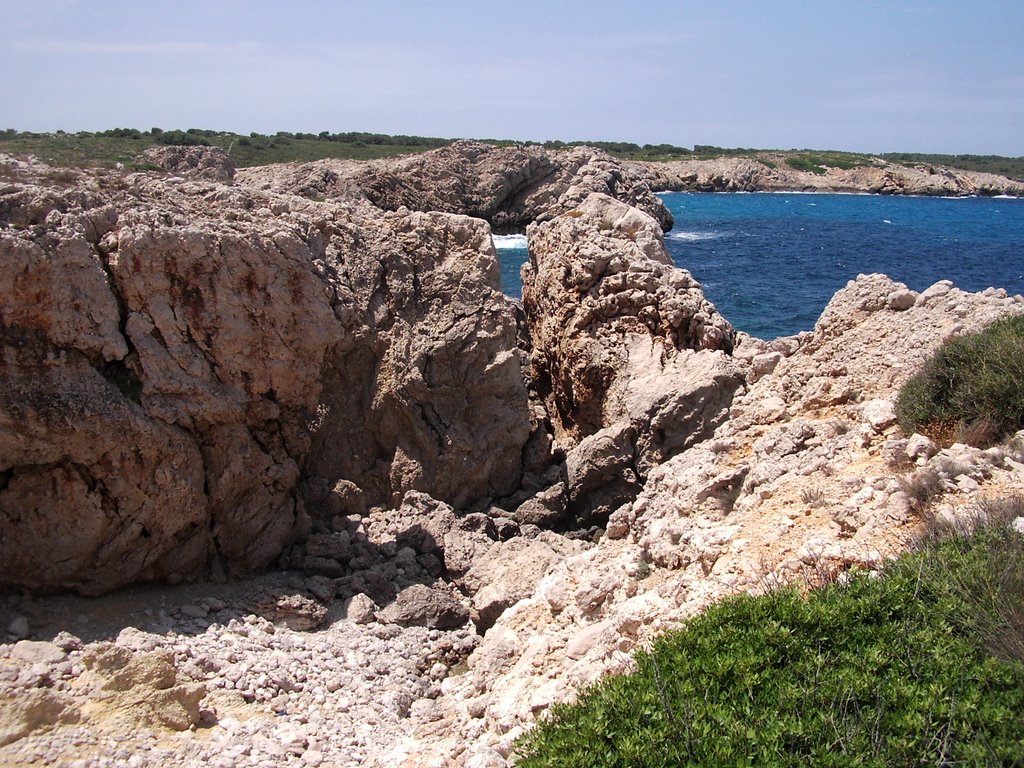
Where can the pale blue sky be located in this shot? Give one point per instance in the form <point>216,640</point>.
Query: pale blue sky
<point>874,76</point>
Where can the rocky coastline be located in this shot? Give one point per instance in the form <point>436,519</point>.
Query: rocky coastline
<point>773,174</point>
<point>286,480</point>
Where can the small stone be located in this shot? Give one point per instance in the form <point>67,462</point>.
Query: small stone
<point>323,566</point>
<point>194,611</point>
<point>321,587</point>
<point>584,640</point>
<point>477,707</point>
<point>763,364</point>
<point>880,414</point>
<point>967,484</point>
<point>919,446</point>
<point>67,642</point>
<point>900,300</point>
<point>37,652</point>
<point>361,609</point>
<point>215,604</point>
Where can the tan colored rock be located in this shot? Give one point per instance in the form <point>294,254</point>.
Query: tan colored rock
<point>32,711</point>
<point>208,350</point>
<point>140,688</point>
<point>620,337</point>
<point>510,571</point>
<point>329,179</point>
<point>425,606</point>
<point>863,349</point>
<point>508,186</point>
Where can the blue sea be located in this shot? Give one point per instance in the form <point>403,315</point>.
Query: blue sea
<point>770,262</point>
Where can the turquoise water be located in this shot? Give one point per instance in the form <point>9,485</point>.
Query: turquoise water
<point>771,262</point>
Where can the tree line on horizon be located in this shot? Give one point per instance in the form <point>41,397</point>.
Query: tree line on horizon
<point>114,145</point>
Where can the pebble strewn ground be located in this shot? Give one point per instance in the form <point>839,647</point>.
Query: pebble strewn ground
<point>275,696</point>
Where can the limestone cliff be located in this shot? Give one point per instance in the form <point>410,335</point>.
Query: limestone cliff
<point>196,376</point>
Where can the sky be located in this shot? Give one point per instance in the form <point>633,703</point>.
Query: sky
<point>866,76</point>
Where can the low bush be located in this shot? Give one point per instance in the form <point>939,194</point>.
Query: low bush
<point>917,667</point>
<point>972,387</point>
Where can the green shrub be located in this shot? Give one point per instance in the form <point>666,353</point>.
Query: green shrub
<point>887,671</point>
<point>182,138</point>
<point>806,163</point>
<point>972,383</point>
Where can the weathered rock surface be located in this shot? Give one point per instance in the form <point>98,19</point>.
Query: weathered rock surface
<point>186,346</point>
<point>209,163</point>
<point>510,570</point>
<point>865,345</point>
<point>620,336</point>
<point>508,186</point>
<point>193,372</point>
<point>332,180</point>
<point>786,489</point>
<point>744,174</point>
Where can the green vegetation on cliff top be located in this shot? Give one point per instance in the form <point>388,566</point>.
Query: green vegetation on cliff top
<point>125,145</point>
<point>921,666</point>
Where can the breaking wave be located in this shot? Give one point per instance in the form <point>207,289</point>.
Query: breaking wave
<point>509,242</point>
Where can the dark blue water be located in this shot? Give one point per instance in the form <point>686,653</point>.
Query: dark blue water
<point>771,262</point>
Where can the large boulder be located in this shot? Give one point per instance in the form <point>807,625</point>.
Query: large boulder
<point>620,336</point>
<point>180,357</point>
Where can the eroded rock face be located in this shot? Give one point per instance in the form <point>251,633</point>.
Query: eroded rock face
<point>508,186</point>
<point>178,356</point>
<point>330,179</point>
<point>620,336</point>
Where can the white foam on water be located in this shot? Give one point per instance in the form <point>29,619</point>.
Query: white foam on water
<point>509,242</point>
<point>694,237</point>
<point>886,221</point>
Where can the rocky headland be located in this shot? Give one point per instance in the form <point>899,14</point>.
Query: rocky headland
<point>286,480</point>
<point>509,187</point>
